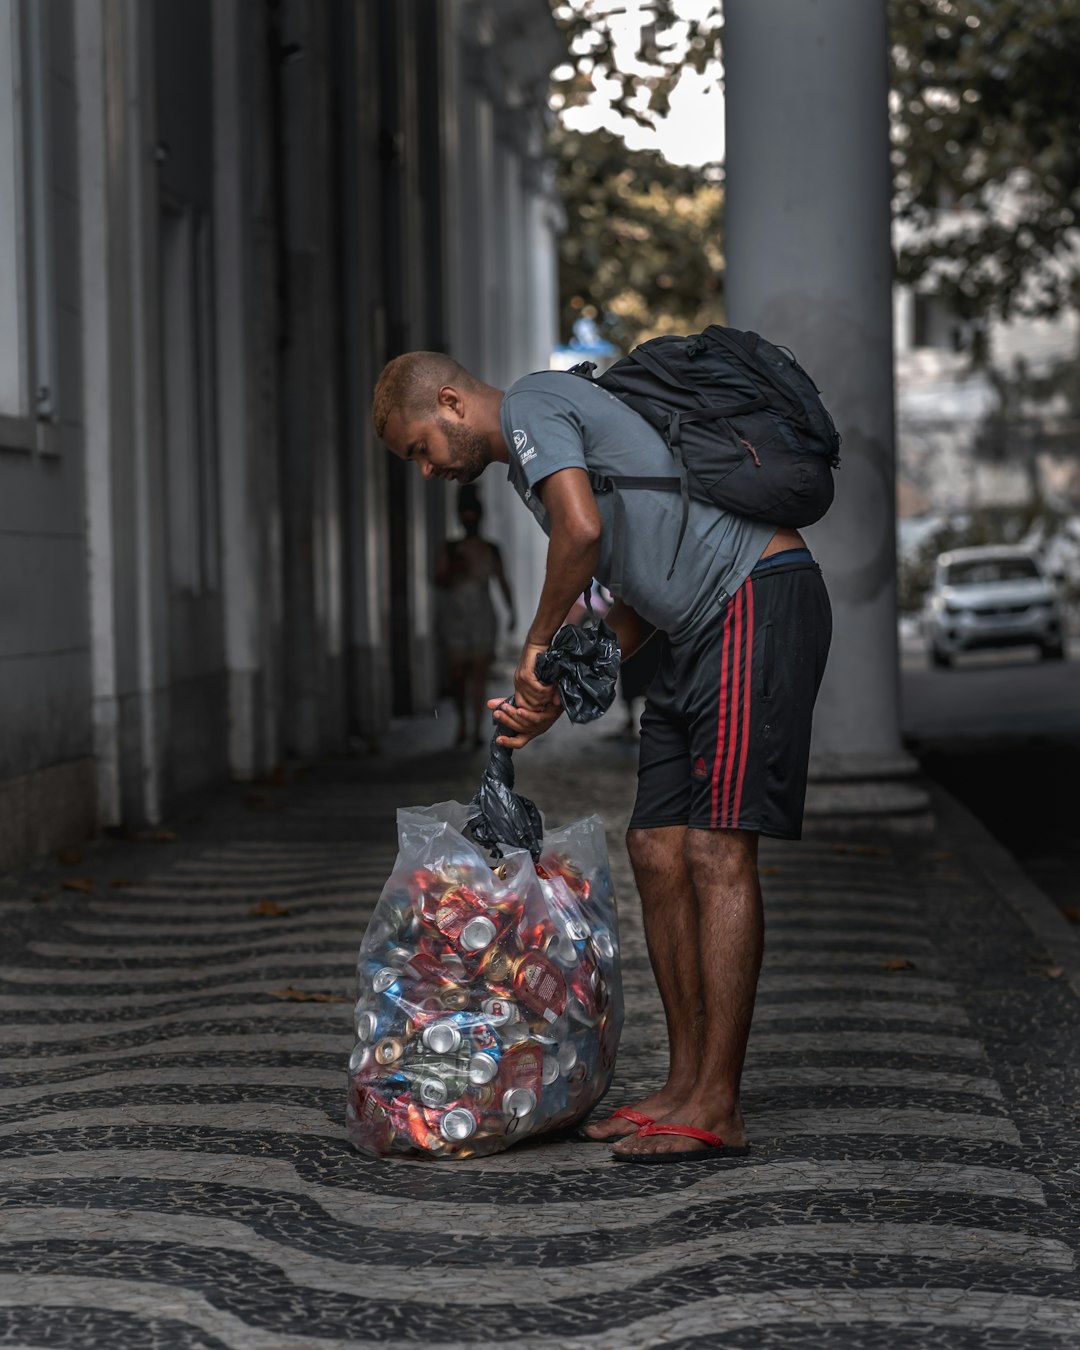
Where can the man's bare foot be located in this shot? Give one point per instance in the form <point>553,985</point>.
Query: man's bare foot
<point>654,1106</point>
<point>728,1126</point>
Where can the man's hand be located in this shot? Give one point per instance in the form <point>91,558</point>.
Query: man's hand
<point>529,693</point>
<point>521,725</point>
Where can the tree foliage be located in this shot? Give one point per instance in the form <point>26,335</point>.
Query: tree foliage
<point>669,45</point>
<point>643,252</point>
<point>986,118</point>
<point>986,122</point>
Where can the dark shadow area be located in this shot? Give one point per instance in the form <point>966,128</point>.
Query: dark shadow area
<point>1026,796</point>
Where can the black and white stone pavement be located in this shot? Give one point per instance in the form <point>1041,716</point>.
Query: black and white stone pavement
<point>174,1170</point>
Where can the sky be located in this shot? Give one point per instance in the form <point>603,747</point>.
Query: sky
<point>693,131</point>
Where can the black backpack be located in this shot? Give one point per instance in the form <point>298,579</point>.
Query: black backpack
<point>742,419</point>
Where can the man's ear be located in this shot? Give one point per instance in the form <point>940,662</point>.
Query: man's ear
<point>450,399</point>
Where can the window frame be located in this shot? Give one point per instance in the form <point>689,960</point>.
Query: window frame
<point>34,427</point>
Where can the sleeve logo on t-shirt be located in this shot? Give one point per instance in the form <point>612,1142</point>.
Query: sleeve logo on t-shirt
<point>521,441</point>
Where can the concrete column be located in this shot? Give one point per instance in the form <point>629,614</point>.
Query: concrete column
<point>309,433</point>
<point>809,266</point>
<point>244,317</point>
<point>98,413</point>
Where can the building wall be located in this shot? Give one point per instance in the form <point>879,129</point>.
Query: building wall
<point>47,791</point>
<point>944,400</point>
<point>207,563</point>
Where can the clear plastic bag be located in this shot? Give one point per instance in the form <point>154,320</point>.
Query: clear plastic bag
<point>489,996</point>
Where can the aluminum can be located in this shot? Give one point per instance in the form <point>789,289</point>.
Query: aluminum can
<point>497,965</point>
<point>454,997</point>
<point>427,971</point>
<point>389,1051</point>
<point>450,1072</point>
<point>540,986</point>
<point>371,1119</point>
<point>566,1056</point>
<point>562,950</point>
<point>522,1066</point>
<point>518,1102</point>
<point>551,1070</point>
<point>459,909</point>
<point>484,1095</point>
<point>419,1131</point>
<point>602,945</point>
<point>583,1005</point>
<point>360,1059</point>
<point>432,1091</point>
<point>396,907</point>
<point>577,930</point>
<point>442,1037</point>
<point>483,1037</point>
<point>396,956</point>
<point>501,1011</point>
<point>457,1124</point>
<point>368,1025</point>
<point>477,934</point>
<point>483,1068</point>
<point>386,980</point>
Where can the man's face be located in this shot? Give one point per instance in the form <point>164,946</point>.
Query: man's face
<point>442,447</point>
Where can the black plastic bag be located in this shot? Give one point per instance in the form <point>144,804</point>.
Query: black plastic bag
<point>584,663</point>
<point>498,814</point>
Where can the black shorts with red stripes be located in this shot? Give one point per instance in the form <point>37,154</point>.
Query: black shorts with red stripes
<point>725,735</point>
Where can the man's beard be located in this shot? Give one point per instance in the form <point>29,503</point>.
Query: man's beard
<point>468,450</point>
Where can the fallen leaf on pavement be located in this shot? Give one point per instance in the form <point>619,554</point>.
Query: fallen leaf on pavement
<point>119,883</point>
<point>899,963</point>
<point>67,856</point>
<point>78,883</point>
<point>306,996</point>
<point>1055,972</point>
<point>156,836</point>
<point>270,908</point>
<point>1072,913</point>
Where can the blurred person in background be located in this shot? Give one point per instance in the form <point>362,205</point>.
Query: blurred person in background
<point>467,624</point>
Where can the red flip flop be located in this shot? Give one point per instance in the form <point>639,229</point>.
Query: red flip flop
<point>714,1147</point>
<point>638,1118</point>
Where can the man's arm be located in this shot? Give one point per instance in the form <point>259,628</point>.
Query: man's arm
<point>573,552</point>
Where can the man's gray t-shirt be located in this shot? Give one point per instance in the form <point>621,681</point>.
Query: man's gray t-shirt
<point>553,420</point>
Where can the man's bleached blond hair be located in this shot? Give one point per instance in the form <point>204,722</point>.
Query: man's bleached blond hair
<point>411,384</point>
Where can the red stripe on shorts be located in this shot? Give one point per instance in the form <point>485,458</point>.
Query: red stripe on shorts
<point>744,737</point>
<point>733,717</point>
<point>721,716</point>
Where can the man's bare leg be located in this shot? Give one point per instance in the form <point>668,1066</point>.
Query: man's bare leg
<point>722,865</point>
<point>669,910</point>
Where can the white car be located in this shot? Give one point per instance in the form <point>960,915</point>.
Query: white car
<point>991,597</point>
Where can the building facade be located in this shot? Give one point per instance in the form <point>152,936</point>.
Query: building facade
<point>218,219</point>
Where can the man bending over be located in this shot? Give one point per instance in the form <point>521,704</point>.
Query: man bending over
<point>745,623</point>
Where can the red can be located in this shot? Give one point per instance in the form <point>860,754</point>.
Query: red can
<point>540,986</point>
<point>419,1131</point>
<point>428,971</point>
<point>372,1121</point>
<point>587,989</point>
<point>463,920</point>
<point>522,1066</point>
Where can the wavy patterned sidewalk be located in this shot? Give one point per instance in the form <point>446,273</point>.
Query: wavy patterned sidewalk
<point>174,1170</point>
